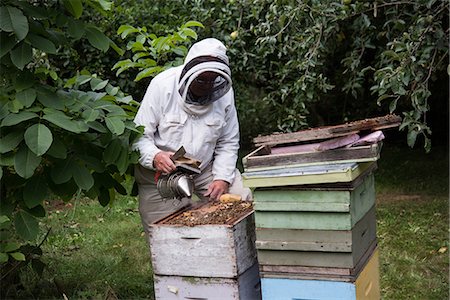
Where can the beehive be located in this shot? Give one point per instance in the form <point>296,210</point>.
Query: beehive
<point>365,287</point>
<point>211,250</point>
<point>246,287</point>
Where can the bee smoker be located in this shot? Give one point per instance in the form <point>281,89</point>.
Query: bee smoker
<point>180,183</point>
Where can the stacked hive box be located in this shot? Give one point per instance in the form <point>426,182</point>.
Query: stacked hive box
<point>315,222</point>
<point>205,261</point>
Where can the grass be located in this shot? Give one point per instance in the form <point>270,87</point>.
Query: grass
<point>413,223</point>
<point>94,252</point>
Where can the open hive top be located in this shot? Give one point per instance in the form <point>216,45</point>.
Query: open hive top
<point>210,213</point>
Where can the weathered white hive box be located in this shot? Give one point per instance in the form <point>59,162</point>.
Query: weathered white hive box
<point>246,287</point>
<point>224,251</point>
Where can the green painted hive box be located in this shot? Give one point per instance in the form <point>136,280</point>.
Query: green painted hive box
<point>316,253</point>
<point>314,209</point>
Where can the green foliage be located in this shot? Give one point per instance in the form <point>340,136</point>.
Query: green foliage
<point>153,54</point>
<point>315,63</point>
<point>55,131</point>
<point>305,54</point>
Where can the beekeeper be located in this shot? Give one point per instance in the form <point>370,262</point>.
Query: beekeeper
<point>191,106</point>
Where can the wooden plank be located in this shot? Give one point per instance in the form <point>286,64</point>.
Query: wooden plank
<point>331,186</point>
<point>222,250</point>
<point>303,220</point>
<point>310,258</point>
<point>304,240</point>
<point>368,282</point>
<point>281,199</point>
<point>322,146</point>
<point>362,199</point>
<point>301,206</point>
<point>246,286</point>
<point>326,132</point>
<point>307,258</point>
<point>256,162</point>
<point>317,273</point>
<point>280,288</point>
<point>293,195</point>
<point>302,213</point>
<point>306,175</point>
<point>366,286</point>
<point>305,272</point>
<point>357,240</point>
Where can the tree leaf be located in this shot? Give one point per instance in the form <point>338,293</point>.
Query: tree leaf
<point>147,72</point>
<point>50,99</point>
<point>75,28</point>
<point>115,125</point>
<point>83,178</point>
<point>98,84</point>
<point>104,197</point>
<point>116,48</point>
<point>14,119</point>
<point>38,211</point>
<point>10,141</point>
<point>35,191</point>
<point>62,120</point>
<point>112,151</point>
<point>17,256</point>
<point>41,43</point>
<point>26,97</point>
<point>7,43</point>
<point>57,149</point>
<point>90,114</point>
<point>65,191</point>
<point>24,81</point>
<point>21,55</point>
<point>125,30</point>
<point>38,266</point>
<point>38,138</point>
<point>122,162</point>
<point>106,5</point>
<point>26,225</point>
<point>62,171</point>
<point>98,127</point>
<point>193,24</point>
<point>3,257</point>
<point>25,162</point>
<point>13,20</point>
<point>7,160</point>
<point>190,32</point>
<point>11,247</point>
<point>97,39</point>
<point>411,138</point>
<point>75,7</point>
<point>93,163</point>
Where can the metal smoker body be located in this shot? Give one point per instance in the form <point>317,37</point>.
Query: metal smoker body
<point>180,183</point>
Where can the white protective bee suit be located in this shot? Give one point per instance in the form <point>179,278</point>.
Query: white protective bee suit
<point>209,132</point>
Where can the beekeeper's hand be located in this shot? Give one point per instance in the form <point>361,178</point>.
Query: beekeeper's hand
<point>216,189</point>
<point>163,163</point>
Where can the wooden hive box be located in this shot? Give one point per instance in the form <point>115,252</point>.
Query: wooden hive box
<point>315,174</point>
<point>320,209</point>
<point>299,251</point>
<point>365,287</point>
<point>246,286</point>
<point>264,159</point>
<point>223,250</point>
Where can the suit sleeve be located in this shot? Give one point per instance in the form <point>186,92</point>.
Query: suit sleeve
<point>148,116</point>
<point>226,151</point>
